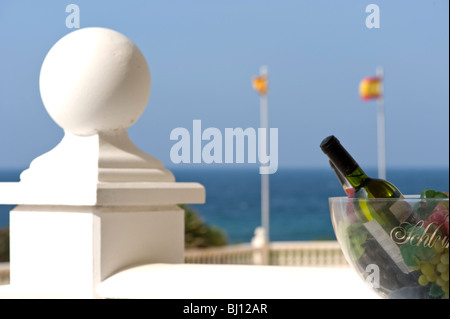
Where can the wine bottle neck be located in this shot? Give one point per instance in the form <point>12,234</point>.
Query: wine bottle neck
<point>342,159</point>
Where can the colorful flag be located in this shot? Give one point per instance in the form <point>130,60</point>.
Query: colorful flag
<point>260,84</point>
<point>370,88</point>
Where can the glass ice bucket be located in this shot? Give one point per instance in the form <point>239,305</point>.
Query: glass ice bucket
<point>399,247</point>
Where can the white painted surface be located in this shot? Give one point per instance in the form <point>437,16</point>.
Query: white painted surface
<point>94,80</point>
<point>54,250</point>
<point>64,249</point>
<point>234,281</point>
<point>141,237</point>
<point>162,281</point>
<point>121,194</point>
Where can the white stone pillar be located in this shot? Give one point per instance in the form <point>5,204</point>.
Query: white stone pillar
<point>260,245</point>
<point>95,204</point>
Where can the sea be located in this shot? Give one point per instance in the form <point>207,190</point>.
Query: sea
<point>299,208</point>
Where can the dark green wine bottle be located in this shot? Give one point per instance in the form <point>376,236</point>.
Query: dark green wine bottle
<point>367,187</point>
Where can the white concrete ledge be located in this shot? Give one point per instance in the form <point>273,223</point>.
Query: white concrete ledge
<point>194,281</point>
<point>120,194</point>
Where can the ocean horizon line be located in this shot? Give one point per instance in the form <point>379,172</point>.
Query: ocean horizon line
<point>245,167</point>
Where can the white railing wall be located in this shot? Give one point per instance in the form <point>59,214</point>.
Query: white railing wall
<point>241,254</point>
<point>299,253</point>
<point>295,253</point>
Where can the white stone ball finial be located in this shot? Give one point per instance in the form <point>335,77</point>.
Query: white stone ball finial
<point>94,80</point>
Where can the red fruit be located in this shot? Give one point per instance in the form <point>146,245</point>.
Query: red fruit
<point>441,208</point>
<point>437,218</point>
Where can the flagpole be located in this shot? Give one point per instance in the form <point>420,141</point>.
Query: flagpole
<point>265,213</point>
<point>261,239</point>
<point>381,127</point>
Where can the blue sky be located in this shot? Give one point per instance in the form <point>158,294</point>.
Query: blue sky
<point>202,55</point>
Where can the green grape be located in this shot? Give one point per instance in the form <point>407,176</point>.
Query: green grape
<point>436,259</point>
<point>432,277</point>
<point>440,282</point>
<point>442,267</point>
<point>427,268</point>
<point>423,281</point>
<point>444,275</point>
<point>444,258</point>
<point>438,248</point>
